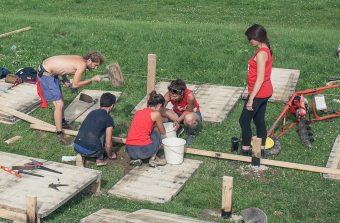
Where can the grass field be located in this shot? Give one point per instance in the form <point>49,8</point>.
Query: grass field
<point>198,41</point>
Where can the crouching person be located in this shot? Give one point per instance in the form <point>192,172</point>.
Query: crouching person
<point>95,134</point>
<point>144,136</point>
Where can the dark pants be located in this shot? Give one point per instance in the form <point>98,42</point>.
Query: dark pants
<point>145,152</point>
<point>258,115</point>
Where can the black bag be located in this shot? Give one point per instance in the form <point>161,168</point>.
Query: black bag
<point>27,74</point>
<point>3,72</point>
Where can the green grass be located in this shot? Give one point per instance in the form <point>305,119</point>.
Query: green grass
<point>198,41</point>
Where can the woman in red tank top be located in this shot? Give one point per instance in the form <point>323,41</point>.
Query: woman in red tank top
<point>260,87</point>
<point>144,136</point>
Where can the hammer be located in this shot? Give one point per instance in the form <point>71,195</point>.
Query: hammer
<point>113,74</point>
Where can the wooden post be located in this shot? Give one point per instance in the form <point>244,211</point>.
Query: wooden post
<point>13,139</point>
<point>31,209</point>
<point>96,185</point>
<point>151,73</point>
<point>227,195</point>
<point>16,31</point>
<point>256,151</point>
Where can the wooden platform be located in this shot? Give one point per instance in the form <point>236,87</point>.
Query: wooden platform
<point>78,110</point>
<point>23,98</point>
<point>215,101</point>
<point>284,83</point>
<point>13,190</point>
<point>157,185</point>
<point>334,160</point>
<point>140,216</point>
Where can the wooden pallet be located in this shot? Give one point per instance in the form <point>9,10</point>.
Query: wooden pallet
<point>334,160</point>
<point>284,83</point>
<point>157,185</point>
<point>13,190</point>
<point>140,216</point>
<point>215,101</point>
<point>23,98</point>
<point>78,110</point>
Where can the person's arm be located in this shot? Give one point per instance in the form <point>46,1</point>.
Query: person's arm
<point>189,107</point>
<point>108,141</point>
<point>77,82</point>
<point>157,118</point>
<point>261,59</point>
<point>167,99</point>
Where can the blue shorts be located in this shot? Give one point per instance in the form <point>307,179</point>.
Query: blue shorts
<point>50,86</point>
<point>99,154</point>
<point>145,152</point>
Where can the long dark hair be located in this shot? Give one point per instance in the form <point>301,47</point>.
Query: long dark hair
<point>259,33</point>
<point>155,99</point>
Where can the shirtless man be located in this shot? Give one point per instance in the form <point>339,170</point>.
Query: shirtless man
<point>48,84</point>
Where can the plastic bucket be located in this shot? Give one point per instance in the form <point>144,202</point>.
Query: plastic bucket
<point>169,129</point>
<point>174,150</point>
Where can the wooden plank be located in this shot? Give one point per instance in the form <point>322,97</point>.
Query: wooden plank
<point>11,213</point>
<point>78,110</point>
<point>152,216</point>
<point>155,184</point>
<point>334,160</point>
<point>15,31</point>
<point>107,216</point>
<point>68,132</point>
<point>151,73</point>
<point>13,190</point>
<point>276,163</point>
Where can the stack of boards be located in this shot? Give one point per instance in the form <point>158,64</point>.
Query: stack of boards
<point>23,98</point>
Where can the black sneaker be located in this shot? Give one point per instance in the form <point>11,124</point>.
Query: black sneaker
<point>135,162</point>
<point>179,131</point>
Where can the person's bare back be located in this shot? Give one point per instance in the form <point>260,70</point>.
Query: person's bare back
<point>65,64</point>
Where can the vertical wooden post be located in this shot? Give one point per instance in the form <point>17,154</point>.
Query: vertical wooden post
<point>79,160</point>
<point>31,209</point>
<point>227,192</point>
<point>151,73</point>
<point>256,158</point>
<point>96,185</point>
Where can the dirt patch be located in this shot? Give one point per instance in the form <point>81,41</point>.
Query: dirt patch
<point>253,172</point>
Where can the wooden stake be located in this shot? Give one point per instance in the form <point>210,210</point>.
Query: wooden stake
<point>68,132</point>
<point>256,147</point>
<point>16,31</point>
<point>151,73</point>
<point>96,185</point>
<point>13,139</point>
<point>263,161</point>
<point>31,209</point>
<point>227,194</point>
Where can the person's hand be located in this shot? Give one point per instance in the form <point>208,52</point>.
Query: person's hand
<point>176,124</point>
<point>249,105</point>
<point>96,78</point>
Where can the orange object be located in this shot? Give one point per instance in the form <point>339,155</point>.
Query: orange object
<point>13,172</point>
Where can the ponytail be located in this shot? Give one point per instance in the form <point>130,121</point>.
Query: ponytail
<point>155,99</point>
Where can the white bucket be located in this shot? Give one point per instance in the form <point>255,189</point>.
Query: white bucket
<point>174,150</point>
<point>169,129</point>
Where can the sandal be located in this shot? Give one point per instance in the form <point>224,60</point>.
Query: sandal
<point>101,162</point>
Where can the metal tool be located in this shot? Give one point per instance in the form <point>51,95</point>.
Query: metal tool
<point>18,172</point>
<point>33,166</point>
<point>55,186</point>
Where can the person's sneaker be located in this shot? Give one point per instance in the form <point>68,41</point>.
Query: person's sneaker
<point>190,139</point>
<point>63,141</point>
<point>66,125</point>
<point>157,162</point>
<point>179,131</point>
<point>101,162</point>
<point>136,162</point>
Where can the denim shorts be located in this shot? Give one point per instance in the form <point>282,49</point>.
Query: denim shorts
<point>50,86</point>
<point>145,151</point>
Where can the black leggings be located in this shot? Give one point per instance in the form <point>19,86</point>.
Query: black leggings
<point>258,115</point>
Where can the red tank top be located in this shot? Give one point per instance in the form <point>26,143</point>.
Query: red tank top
<point>140,128</point>
<point>266,89</point>
<point>179,107</point>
